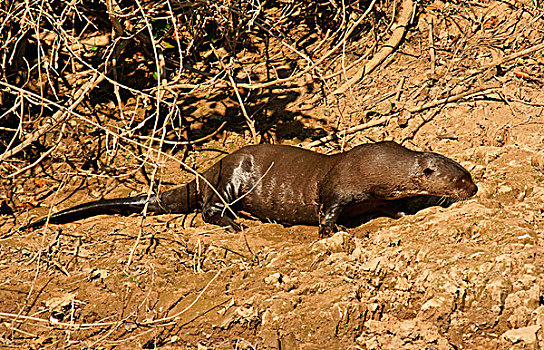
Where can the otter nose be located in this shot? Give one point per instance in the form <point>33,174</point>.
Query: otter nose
<point>474,190</point>
<point>467,186</point>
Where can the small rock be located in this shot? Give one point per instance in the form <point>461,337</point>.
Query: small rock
<point>357,253</point>
<point>503,189</point>
<point>525,334</point>
<point>243,344</point>
<point>385,107</point>
<point>487,154</point>
<point>370,344</point>
<point>404,118</point>
<point>267,318</point>
<point>246,312</point>
<point>433,303</point>
<point>537,160</point>
<point>59,303</point>
<point>403,284</point>
<point>288,283</point>
<point>339,242</point>
<point>521,196</point>
<point>274,279</point>
<point>60,306</point>
<point>98,274</point>
<point>496,289</point>
<point>289,342</point>
<point>526,282</point>
<point>406,329</point>
<point>372,265</point>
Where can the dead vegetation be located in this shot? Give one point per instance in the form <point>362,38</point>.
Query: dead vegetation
<point>102,99</point>
<point>135,74</point>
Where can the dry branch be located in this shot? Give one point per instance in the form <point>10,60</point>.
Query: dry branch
<point>432,51</point>
<point>511,57</point>
<point>334,136</point>
<point>42,156</point>
<point>319,61</point>
<point>408,8</point>
<point>57,118</point>
<point>454,98</point>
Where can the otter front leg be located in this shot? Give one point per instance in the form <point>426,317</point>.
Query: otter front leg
<point>230,178</point>
<point>327,219</point>
<point>333,206</point>
<point>223,221</point>
<point>329,213</point>
<point>214,210</point>
<point>215,213</point>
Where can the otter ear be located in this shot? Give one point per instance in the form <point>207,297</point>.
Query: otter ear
<point>428,171</point>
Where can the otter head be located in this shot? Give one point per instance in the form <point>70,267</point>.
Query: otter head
<point>437,175</point>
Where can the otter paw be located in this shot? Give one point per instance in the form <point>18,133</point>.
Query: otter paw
<point>325,231</point>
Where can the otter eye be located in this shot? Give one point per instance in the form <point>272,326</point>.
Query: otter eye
<point>428,171</point>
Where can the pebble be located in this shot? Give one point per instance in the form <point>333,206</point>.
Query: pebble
<point>524,334</point>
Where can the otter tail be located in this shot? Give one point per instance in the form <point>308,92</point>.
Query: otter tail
<point>181,200</point>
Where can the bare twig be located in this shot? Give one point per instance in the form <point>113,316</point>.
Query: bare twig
<point>159,94</point>
<point>432,52</point>
<point>192,142</point>
<point>176,315</point>
<point>56,119</point>
<point>511,57</point>
<point>316,63</point>
<point>454,98</point>
<point>408,8</point>
<point>400,87</point>
<point>250,122</point>
<point>351,130</point>
<point>44,154</point>
<point>79,326</point>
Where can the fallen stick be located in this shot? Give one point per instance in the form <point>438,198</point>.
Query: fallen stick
<point>57,118</point>
<point>384,119</point>
<point>452,98</point>
<point>351,130</point>
<point>511,57</point>
<point>408,8</point>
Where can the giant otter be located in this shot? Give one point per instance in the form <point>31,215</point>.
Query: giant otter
<point>291,185</point>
